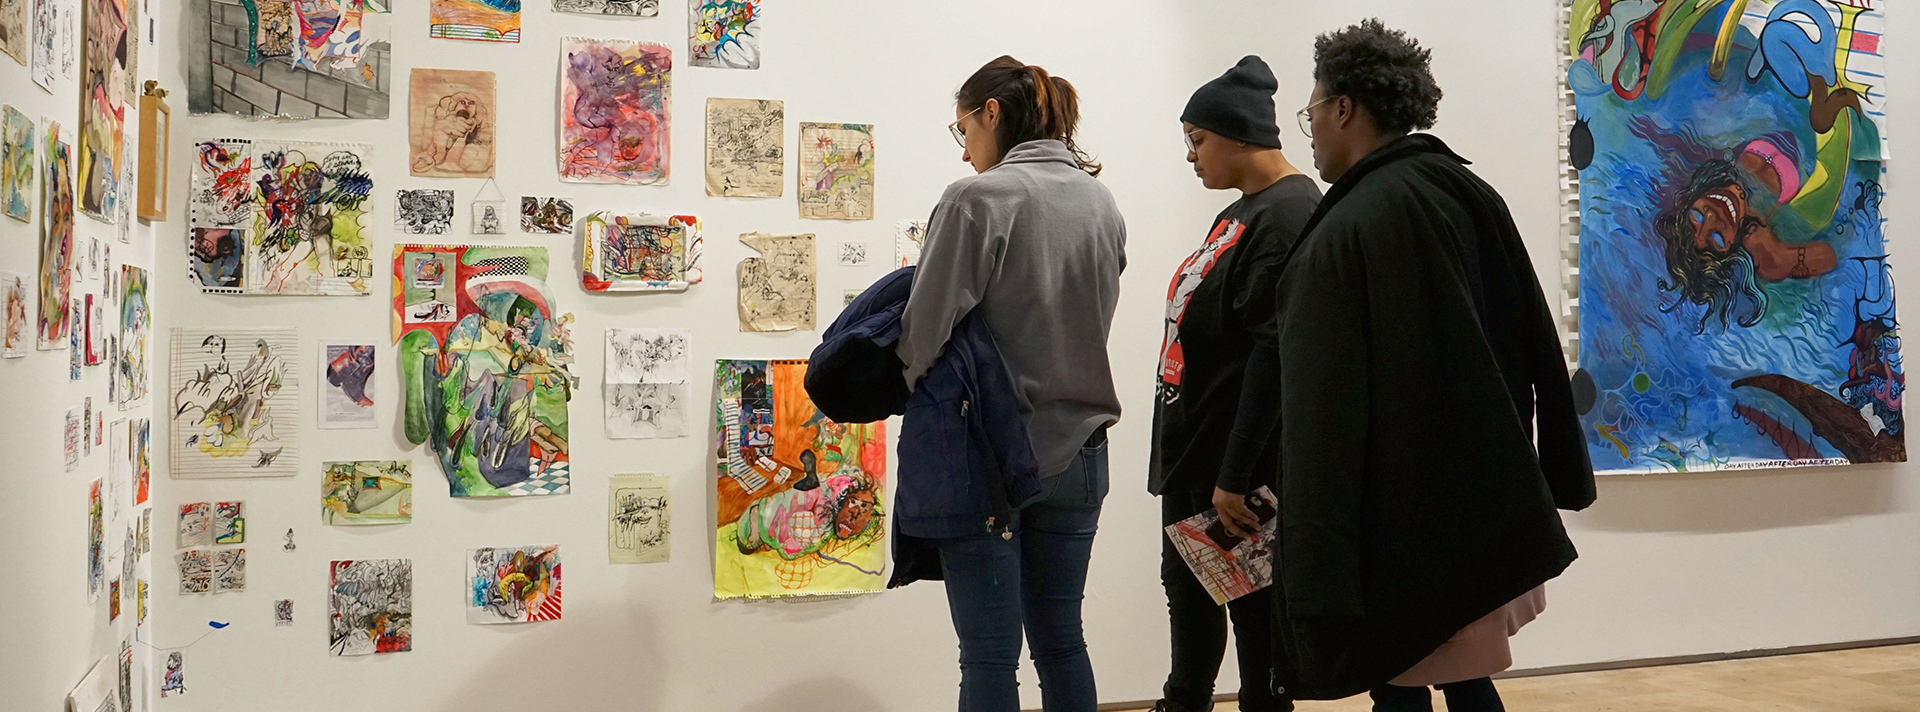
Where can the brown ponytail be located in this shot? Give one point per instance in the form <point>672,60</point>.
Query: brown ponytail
<point>1034,105</point>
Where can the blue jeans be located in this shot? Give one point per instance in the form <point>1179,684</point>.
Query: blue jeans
<point>1036,580</point>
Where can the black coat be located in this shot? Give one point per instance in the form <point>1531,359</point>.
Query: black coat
<point>1414,347</point>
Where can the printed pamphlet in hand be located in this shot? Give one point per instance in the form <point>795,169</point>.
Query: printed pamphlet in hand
<point>1227,565</point>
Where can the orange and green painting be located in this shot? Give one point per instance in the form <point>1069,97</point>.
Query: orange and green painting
<point>479,20</point>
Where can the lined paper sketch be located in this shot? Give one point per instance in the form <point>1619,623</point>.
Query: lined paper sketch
<point>235,403</point>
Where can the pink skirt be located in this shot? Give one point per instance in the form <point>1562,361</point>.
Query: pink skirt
<point>1478,650</point>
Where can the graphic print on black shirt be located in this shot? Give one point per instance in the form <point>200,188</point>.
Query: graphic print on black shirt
<point>1173,362</point>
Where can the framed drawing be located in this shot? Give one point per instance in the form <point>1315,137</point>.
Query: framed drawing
<point>156,122</point>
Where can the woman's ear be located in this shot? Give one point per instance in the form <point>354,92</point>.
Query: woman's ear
<point>990,114</point>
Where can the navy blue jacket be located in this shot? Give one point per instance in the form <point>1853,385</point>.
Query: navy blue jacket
<point>965,460</point>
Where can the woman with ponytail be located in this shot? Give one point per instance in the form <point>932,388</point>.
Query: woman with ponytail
<point>1035,245</point>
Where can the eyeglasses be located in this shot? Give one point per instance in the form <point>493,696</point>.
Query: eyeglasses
<point>1306,118</point>
<point>960,134</point>
<point>1192,143</point>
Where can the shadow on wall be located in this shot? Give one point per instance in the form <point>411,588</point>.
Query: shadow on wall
<point>1726,502</point>
<point>607,657</point>
<point>822,694</point>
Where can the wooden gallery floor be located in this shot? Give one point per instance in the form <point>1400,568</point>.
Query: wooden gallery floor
<point>1885,679</point>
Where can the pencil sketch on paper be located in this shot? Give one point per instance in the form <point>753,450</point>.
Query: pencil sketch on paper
<point>614,111</point>
<point>196,571</point>
<point>346,386</point>
<point>235,403</point>
<point>229,523</point>
<point>283,613</point>
<point>13,29</point>
<point>103,106</point>
<point>16,163</point>
<point>370,606</point>
<point>909,237</point>
<point>13,288</point>
<point>423,212</point>
<point>647,355</point>
<point>367,492</point>
<point>50,18</point>
<point>513,585</point>
<point>479,20</point>
<point>853,253</point>
<point>645,411</point>
<point>57,264</point>
<point>640,253</point>
<point>195,525</point>
<point>836,171</point>
<point>229,570</point>
<point>631,8</point>
<point>450,123</point>
<point>777,288</point>
<point>746,147</point>
<point>546,216</point>
<point>639,522</point>
<point>724,34</point>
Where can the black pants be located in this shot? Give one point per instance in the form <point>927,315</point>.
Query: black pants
<point>1200,627</point>
<point>1466,696</point>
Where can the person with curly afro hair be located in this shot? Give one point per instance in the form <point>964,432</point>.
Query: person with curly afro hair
<point>1427,433</point>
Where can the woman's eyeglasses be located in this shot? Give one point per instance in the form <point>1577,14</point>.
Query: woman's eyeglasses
<point>960,134</point>
<point>1306,117</point>
<point>1193,142</point>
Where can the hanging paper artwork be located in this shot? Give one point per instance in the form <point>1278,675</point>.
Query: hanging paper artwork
<point>56,244</point>
<point>283,613</point>
<point>229,570</point>
<point>724,33</point>
<point>367,492</point>
<point>16,164</point>
<point>13,29</point>
<point>1736,298</point>
<point>909,237</point>
<point>70,440</point>
<point>836,171</point>
<point>638,521</point>
<point>777,291</point>
<point>346,386</point>
<point>229,523</point>
<point>746,147</point>
<point>103,106</point>
<point>489,210</point>
<point>450,122</point>
<point>853,253</point>
<point>96,542</point>
<point>130,366</point>
<point>280,217</point>
<point>801,499</point>
<point>640,253</point>
<point>294,59</point>
<point>614,111</point>
<point>49,18</point>
<point>173,682</point>
<point>370,606</point>
<point>13,289</point>
<point>630,8</point>
<point>195,525</point>
<point>479,20</point>
<point>513,584</point>
<point>484,359</point>
<point>646,383</point>
<point>196,571</point>
<point>546,216</point>
<point>142,433</point>
<point>235,401</point>
<point>423,212</point>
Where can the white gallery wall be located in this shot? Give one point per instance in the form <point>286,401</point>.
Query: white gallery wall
<point>1671,564</point>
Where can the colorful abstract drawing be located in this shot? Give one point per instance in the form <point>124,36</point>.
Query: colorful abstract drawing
<point>370,603</point>
<point>142,433</point>
<point>307,237</point>
<point>13,29</point>
<point>640,253</point>
<point>724,33</point>
<point>546,216</point>
<point>195,525</point>
<point>103,106</point>
<point>13,338</point>
<point>614,118</point>
<point>16,164</point>
<point>836,171</point>
<point>294,59</point>
<point>631,8</point>
<point>639,524</point>
<point>96,542</point>
<point>1736,302</point>
<point>513,585</point>
<point>56,244</point>
<point>229,523</point>
<point>481,20</point>
<point>367,492</point>
<point>221,190</point>
<point>746,147</point>
<point>235,402</point>
<point>450,120</point>
<point>346,386</point>
<point>801,499</point>
<point>484,360</point>
<point>130,367</point>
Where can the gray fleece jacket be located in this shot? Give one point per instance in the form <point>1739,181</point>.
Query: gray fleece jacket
<point>1037,245</point>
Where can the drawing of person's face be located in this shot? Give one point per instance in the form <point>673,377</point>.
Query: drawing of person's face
<point>1719,215</point>
<point>856,513</point>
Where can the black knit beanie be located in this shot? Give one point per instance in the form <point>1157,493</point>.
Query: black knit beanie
<point>1238,104</point>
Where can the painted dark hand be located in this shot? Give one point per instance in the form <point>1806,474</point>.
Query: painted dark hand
<point>1234,514</point>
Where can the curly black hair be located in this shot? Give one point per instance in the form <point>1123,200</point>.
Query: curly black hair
<point>1383,70</point>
